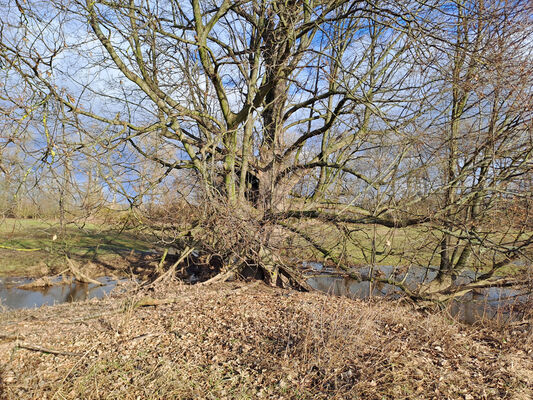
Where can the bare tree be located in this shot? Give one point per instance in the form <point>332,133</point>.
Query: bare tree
<point>346,113</point>
<point>482,138</point>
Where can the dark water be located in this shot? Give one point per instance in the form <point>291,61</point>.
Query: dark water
<point>13,297</point>
<point>475,306</point>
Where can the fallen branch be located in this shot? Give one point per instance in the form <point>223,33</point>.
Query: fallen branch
<point>46,281</point>
<point>150,302</point>
<point>80,277</point>
<point>162,262</point>
<point>45,350</point>
<point>171,271</point>
<point>218,278</point>
<point>9,338</point>
<point>38,283</point>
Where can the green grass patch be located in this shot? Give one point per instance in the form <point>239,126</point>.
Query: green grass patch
<point>417,245</point>
<point>31,247</point>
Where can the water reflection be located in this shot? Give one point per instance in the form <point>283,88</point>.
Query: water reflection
<point>11,296</point>
<point>482,304</point>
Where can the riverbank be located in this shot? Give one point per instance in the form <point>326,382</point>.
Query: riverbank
<point>247,340</point>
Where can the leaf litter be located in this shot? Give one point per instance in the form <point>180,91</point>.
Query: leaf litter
<point>241,340</point>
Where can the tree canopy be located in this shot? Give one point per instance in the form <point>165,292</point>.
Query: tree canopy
<point>284,113</point>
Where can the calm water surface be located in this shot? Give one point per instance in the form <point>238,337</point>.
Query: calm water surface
<point>484,303</point>
<point>11,296</point>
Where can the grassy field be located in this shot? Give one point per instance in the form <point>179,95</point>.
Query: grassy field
<point>354,244</point>
<point>36,247</point>
<point>419,246</point>
<point>28,247</point>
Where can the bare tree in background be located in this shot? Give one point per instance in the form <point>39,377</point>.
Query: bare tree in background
<point>482,139</point>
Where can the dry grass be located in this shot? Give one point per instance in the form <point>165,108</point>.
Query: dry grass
<point>251,341</point>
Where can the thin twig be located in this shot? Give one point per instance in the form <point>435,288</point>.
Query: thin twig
<point>33,347</point>
<point>11,337</point>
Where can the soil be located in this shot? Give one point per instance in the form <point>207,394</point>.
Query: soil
<point>248,340</point>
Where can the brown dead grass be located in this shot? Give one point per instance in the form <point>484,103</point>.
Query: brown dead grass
<point>247,341</point>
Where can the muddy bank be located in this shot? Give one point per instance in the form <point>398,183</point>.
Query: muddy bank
<point>251,341</point>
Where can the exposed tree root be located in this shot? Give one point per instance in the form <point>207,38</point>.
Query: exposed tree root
<point>275,273</point>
